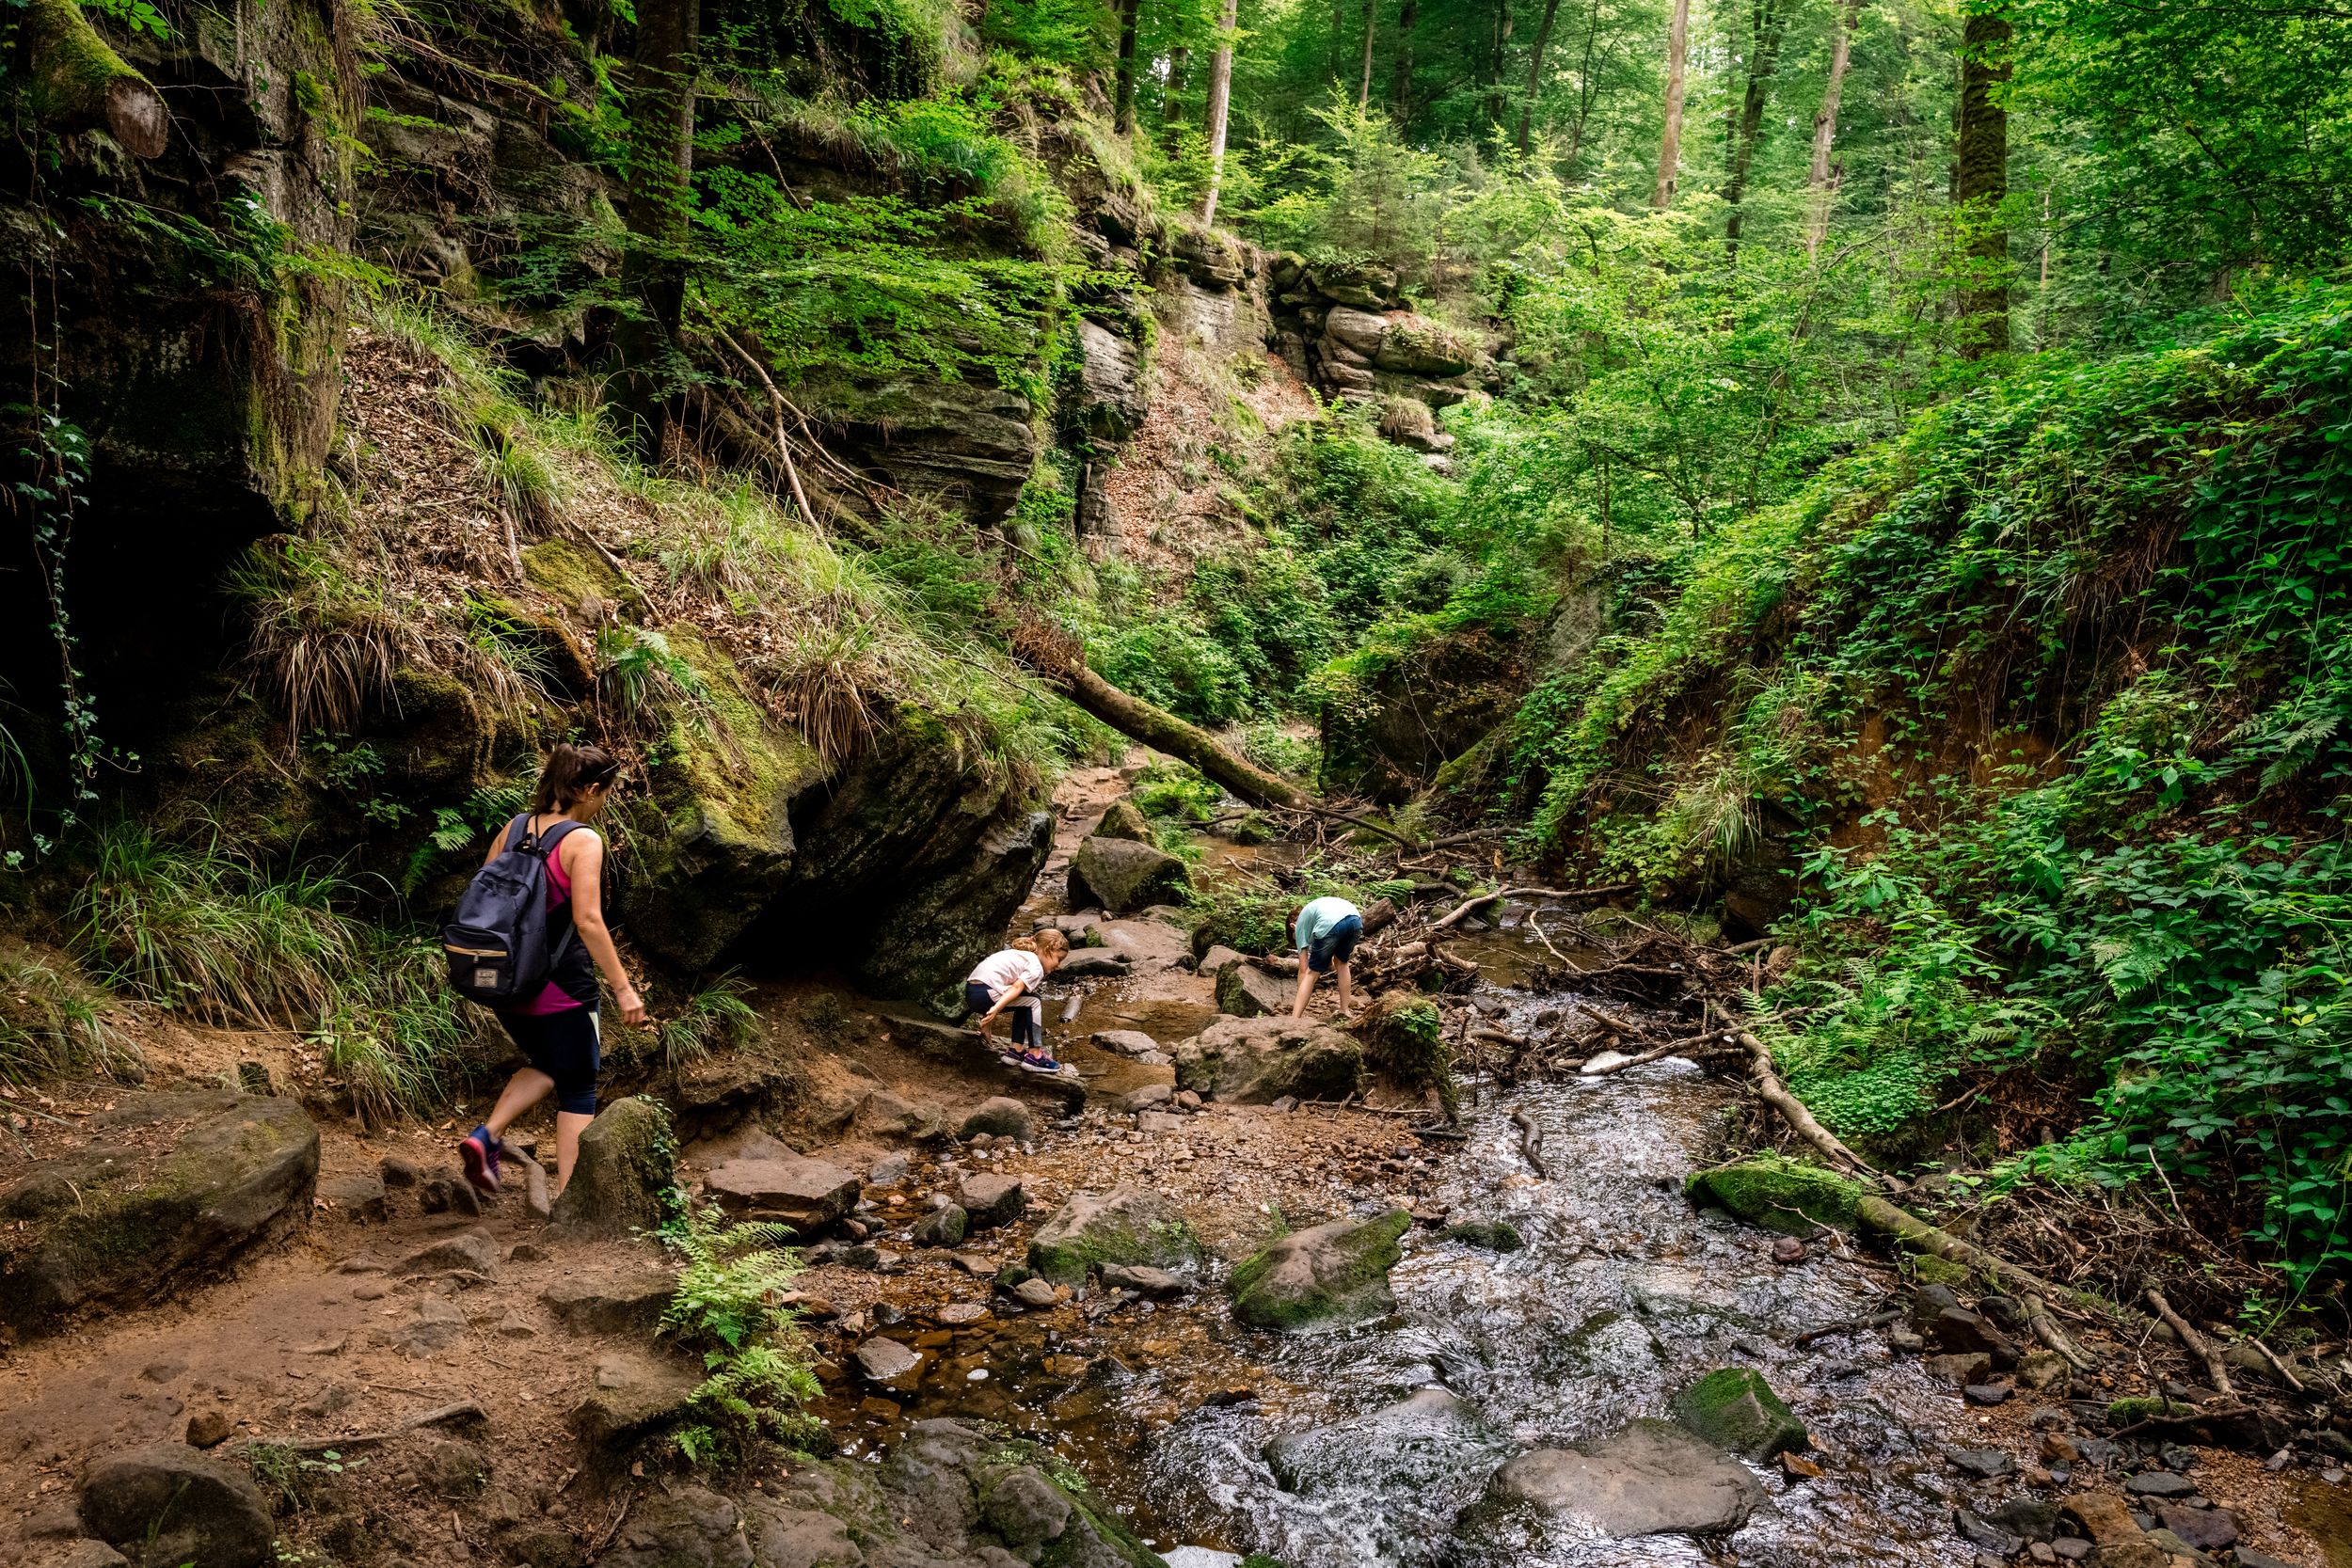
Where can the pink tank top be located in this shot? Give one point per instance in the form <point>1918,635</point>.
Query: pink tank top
<point>554,998</point>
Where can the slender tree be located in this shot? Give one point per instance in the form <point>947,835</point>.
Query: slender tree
<point>1401,85</point>
<point>1587,89</point>
<point>660,163</point>
<point>1179,82</point>
<point>1535,72</point>
<point>1220,103</point>
<point>1498,45</point>
<point>1820,182</point>
<point>1980,177</point>
<point>1767,26</point>
<point>1661,195</point>
<point>1363,80</point>
<point>1123,102</point>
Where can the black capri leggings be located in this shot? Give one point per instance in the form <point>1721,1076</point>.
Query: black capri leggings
<point>1027,1014</point>
<point>565,1045</point>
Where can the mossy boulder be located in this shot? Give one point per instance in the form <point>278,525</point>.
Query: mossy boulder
<point>626,1170</point>
<point>1121,876</point>
<point>1124,820</point>
<point>118,1219</point>
<point>1255,1061</point>
<point>1779,1193</point>
<point>1735,1409</point>
<point>1128,1225</point>
<point>1323,1277</point>
<point>1491,1235</point>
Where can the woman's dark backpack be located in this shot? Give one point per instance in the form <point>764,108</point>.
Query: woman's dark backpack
<point>496,944</point>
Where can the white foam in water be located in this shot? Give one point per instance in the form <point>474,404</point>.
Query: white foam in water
<point>1199,1557</point>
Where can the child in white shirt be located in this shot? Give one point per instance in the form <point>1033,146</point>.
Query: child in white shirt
<point>1009,979</point>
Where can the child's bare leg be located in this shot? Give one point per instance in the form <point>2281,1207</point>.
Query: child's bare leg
<point>1306,984</point>
<point>524,1091</point>
<point>1341,968</point>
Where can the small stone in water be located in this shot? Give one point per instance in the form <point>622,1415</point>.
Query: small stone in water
<point>977,1374</point>
<point>1987,1393</point>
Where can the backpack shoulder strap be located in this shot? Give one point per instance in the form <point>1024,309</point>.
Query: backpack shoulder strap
<point>517,831</point>
<point>555,835</point>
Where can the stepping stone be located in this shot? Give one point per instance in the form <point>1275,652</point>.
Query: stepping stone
<point>885,1360</point>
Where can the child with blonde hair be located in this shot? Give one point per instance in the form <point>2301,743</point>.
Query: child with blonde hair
<point>1009,979</point>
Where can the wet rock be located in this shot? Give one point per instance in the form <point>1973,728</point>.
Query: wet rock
<point>2042,1369</point>
<point>1961,1369</point>
<point>1959,1331</point>
<point>941,1228</point>
<point>1143,1281</point>
<point>1735,1409</point>
<point>472,1251</point>
<point>1122,875</point>
<point>992,1200</point>
<point>108,1222</point>
<point>1652,1479</point>
<point>1323,1277</point>
<point>1987,1393</point>
<point>1424,1440</point>
<point>1244,991</point>
<point>625,1172</point>
<point>2028,1518</point>
<point>1778,1193</point>
<point>885,1360</point>
<point>620,1301</point>
<point>1258,1061</point>
<point>1984,1464</point>
<point>1091,962</point>
<point>1124,1043</point>
<point>359,1194</point>
<point>684,1527</point>
<point>633,1395</point>
<point>1493,1235</point>
<point>1128,1225</point>
<point>1037,1294</point>
<point>958,1314</point>
<point>1984,1535</point>
<point>806,1194</point>
<point>1001,1116</point>
<point>168,1505</point>
<point>2159,1483</point>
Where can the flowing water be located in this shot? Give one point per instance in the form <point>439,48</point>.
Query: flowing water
<point>1381,1438</point>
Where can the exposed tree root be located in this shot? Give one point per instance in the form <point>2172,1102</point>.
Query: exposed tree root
<point>2192,1342</point>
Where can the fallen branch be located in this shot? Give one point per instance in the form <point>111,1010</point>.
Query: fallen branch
<point>2193,1418</point>
<point>1669,1048</point>
<point>2286,1374</point>
<point>1879,1217</point>
<point>1469,906</point>
<point>1608,1021</point>
<point>1531,1141</point>
<point>1792,1111</point>
<point>784,447</point>
<point>2192,1342</point>
<point>1500,1037</point>
<point>2046,1328</point>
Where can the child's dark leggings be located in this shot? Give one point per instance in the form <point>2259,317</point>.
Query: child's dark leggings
<point>1027,1014</point>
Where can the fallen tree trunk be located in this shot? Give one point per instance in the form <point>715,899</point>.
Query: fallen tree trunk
<point>1792,1111</point>
<point>79,82</point>
<point>1154,725</point>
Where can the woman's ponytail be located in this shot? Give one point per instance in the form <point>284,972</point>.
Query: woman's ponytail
<point>569,772</point>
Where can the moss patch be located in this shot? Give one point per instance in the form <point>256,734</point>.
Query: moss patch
<point>571,574</point>
<point>1779,1193</point>
<point>1329,1274</point>
<point>1735,1409</point>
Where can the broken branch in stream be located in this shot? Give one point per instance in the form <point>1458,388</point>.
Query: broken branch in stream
<point>1531,1141</point>
<point>1655,1054</point>
<point>1470,906</point>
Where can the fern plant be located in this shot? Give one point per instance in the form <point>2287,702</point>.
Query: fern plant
<point>727,1308</point>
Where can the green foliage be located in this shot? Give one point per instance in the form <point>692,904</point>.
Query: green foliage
<point>54,1021</point>
<point>715,1018</point>
<point>758,1361</point>
<point>1174,789</point>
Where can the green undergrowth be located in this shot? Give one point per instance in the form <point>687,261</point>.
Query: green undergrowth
<point>759,1364</point>
<point>2049,698</point>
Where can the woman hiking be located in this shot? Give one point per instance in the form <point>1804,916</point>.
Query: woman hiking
<point>557,1030</point>
<point>1008,980</point>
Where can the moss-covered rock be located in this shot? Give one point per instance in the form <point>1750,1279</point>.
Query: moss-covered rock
<point>1128,1225</point>
<point>626,1174</point>
<point>1124,820</point>
<point>1493,1235</point>
<point>1735,1409</point>
<point>1779,1193</point>
<point>115,1221</point>
<point>1121,876</point>
<point>1323,1277</point>
<point>1404,1042</point>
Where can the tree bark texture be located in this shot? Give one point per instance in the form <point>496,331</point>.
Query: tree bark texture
<point>1123,101</point>
<point>80,83</point>
<point>1535,72</point>
<point>1179,82</point>
<point>1220,103</point>
<point>1981,182</point>
<point>1661,195</point>
<point>1820,185</point>
<point>1364,79</point>
<point>660,163</point>
<point>1159,729</point>
<point>1768,26</point>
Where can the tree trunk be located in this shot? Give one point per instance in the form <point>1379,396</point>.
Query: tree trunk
<point>660,165</point>
<point>1821,187</point>
<point>79,82</point>
<point>1363,81</point>
<point>1401,85</point>
<point>1661,195</point>
<point>1163,730</point>
<point>1179,78</point>
<point>1535,71</point>
<point>1983,181</point>
<point>1498,46</point>
<point>1220,103</point>
<point>1587,91</point>
<point>1767,23</point>
<point>1123,102</point>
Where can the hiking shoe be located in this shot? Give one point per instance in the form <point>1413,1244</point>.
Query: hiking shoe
<point>1032,1061</point>
<point>481,1153</point>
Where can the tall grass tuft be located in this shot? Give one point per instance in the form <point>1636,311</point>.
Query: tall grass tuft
<point>713,1017</point>
<point>52,1022</point>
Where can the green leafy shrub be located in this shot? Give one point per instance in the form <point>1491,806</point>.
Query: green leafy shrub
<point>1174,789</point>
<point>758,1361</point>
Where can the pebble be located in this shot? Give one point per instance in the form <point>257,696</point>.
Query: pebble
<point>1987,1393</point>
<point>2159,1483</point>
<point>1788,1250</point>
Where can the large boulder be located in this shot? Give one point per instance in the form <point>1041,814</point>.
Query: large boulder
<point>804,1194</point>
<point>1127,1225</point>
<point>626,1172</point>
<point>1122,875</point>
<point>1259,1060</point>
<point>1124,820</point>
<point>1779,1193</point>
<point>1735,1409</point>
<point>1244,991</point>
<point>169,1506</point>
<point>1413,344</point>
<point>1651,1478</point>
<point>628,1300</point>
<point>167,1186</point>
<point>1323,1277</point>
